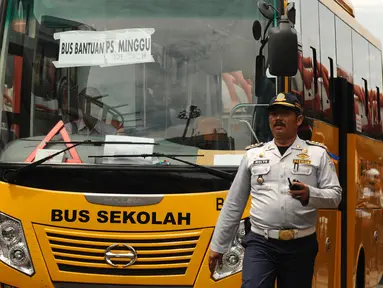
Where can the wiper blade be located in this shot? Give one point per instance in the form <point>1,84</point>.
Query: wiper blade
<point>212,171</point>
<point>12,176</point>
<point>92,142</point>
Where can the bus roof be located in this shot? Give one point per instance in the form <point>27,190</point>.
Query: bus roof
<point>347,5</point>
<point>340,11</point>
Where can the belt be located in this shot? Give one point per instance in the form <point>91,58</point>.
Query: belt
<point>284,234</point>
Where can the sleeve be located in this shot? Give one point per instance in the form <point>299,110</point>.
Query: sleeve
<point>232,209</point>
<point>328,192</point>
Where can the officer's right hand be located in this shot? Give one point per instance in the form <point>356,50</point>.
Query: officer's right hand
<point>214,258</point>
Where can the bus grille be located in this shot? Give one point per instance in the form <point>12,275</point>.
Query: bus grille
<point>162,253</point>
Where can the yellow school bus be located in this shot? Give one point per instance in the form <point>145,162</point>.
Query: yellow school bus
<point>123,124</point>
<point>126,99</point>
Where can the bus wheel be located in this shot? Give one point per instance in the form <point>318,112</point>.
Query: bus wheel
<point>360,271</point>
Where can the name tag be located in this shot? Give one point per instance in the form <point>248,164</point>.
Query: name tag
<point>265,161</point>
<point>301,161</point>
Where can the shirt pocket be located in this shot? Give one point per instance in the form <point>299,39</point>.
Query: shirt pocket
<point>303,170</point>
<point>261,176</point>
<point>260,170</point>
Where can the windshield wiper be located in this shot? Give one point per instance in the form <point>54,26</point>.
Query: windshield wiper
<point>212,171</point>
<point>11,176</point>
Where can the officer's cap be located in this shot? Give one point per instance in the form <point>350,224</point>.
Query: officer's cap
<point>287,100</point>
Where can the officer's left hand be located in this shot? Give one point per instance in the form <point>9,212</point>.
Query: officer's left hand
<point>302,193</point>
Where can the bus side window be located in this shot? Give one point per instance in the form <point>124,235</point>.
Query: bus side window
<point>344,60</point>
<point>362,84</point>
<point>311,60</point>
<point>297,80</point>
<point>362,81</point>
<point>375,90</point>
<point>328,60</point>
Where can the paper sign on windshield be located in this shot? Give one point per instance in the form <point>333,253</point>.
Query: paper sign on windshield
<point>122,149</point>
<point>104,48</point>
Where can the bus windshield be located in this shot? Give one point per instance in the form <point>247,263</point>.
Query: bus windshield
<point>179,73</point>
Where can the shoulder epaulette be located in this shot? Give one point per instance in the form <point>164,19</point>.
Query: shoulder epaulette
<point>254,146</point>
<point>316,144</point>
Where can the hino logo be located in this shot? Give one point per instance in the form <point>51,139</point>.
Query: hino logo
<point>127,252</point>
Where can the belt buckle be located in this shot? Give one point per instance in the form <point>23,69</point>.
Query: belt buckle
<point>286,235</point>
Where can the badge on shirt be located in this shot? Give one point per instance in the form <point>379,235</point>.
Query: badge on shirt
<point>303,156</point>
<point>301,161</point>
<point>263,161</point>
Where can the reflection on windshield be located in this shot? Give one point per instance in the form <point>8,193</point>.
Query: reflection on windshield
<point>78,62</point>
<point>80,120</point>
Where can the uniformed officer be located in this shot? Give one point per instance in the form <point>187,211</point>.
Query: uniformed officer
<point>282,242</point>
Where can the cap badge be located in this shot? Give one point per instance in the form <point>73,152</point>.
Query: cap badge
<point>281,97</point>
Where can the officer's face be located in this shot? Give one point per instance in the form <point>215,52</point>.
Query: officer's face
<point>284,122</point>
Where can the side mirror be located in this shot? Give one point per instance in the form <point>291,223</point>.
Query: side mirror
<point>257,30</point>
<point>283,49</point>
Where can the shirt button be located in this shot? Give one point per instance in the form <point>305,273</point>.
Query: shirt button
<point>281,176</point>
<point>282,207</point>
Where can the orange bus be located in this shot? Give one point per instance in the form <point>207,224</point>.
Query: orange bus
<point>99,95</point>
<point>339,81</point>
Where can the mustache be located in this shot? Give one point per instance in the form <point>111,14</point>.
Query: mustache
<point>279,123</point>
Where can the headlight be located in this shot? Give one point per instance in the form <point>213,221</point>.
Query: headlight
<point>232,260</point>
<point>13,247</point>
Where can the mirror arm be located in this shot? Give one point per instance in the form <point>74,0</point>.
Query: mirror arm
<point>265,39</point>
<point>263,42</point>
<point>267,28</point>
